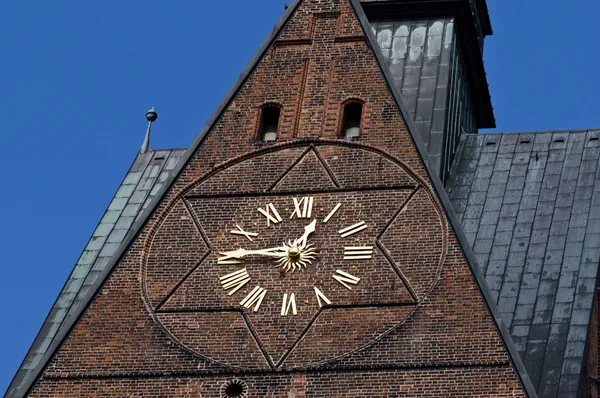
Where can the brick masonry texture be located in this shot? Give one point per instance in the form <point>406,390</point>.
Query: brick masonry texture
<point>429,334</point>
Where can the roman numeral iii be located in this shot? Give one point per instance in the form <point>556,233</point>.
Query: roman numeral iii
<point>236,280</point>
<point>255,297</point>
<point>303,207</point>
<point>271,214</point>
<point>286,305</point>
<point>358,253</point>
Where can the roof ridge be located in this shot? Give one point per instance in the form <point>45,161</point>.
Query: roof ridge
<point>575,131</point>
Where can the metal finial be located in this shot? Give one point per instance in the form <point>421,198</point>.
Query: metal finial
<point>151,116</point>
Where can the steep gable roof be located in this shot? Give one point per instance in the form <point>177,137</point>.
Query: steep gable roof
<point>80,308</point>
<point>529,204</point>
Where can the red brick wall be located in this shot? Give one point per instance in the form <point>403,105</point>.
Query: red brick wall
<point>442,343</point>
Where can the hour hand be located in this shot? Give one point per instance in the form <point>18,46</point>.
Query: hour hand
<point>241,253</point>
<point>309,229</point>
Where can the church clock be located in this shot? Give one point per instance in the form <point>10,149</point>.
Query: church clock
<point>292,246</point>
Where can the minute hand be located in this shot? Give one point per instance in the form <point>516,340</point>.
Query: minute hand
<point>241,253</point>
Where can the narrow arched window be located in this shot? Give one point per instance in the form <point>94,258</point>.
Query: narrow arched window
<point>269,121</point>
<point>351,119</point>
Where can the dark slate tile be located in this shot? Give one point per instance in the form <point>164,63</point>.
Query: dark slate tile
<point>499,177</point>
<point>557,242</point>
<point>536,251</point>
<point>496,191</point>
<point>577,333</point>
<point>565,199</point>
<point>529,202</point>
<point>513,196</point>
<point>507,304</point>
<point>516,183</point>
<point>509,210</point>
<point>548,194</point>
<point>527,296</point>
<point>588,270</point>
<point>484,171</point>
<point>576,235</point>
<point>518,170</point>
<point>548,288</point>
<point>474,211</point>
<point>565,295</point>
<point>476,198</point>
<point>490,217</point>
<point>573,249</point>
<point>486,232</point>
<point>554,256</point>
<point>523,229</point>
<point>575,349</point>
<point>531,188</point>
<point>493,204</point>
<point>494,283</point>
<point>571,366</point>
<point>586,179</point>
<point>510,290</point>
<point>551,271</point>
<point>586,286</point>
<point>571,264</point>
<point>480,185</point>
<point>580,317</point>
<point>581,207</point>
<point>539,236</point>
<point>533,266</point>
<point>568,279</point>
<point>590,256</point>
<point>562,312</point>
<point>487,159</point>
<point>542,222</point>
<point>519,245</point>
<point>496,267</point>
<point>483,246</point>
<point>562,214</point>
<point>573,160</point>
<point>559,228</point>
<point>513,274</point>
<point>553,168</point>
<point>578,220</point>
<point>535,175</point>
<point>567,186</point>
<point>524,312</point>
<point>584,193</point>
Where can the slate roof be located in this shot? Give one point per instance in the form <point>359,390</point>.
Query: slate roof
<point>529,204</point>
<point>145,178</point>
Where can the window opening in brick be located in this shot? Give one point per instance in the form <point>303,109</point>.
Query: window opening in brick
<point>269,121</point>
<point>351,119</point>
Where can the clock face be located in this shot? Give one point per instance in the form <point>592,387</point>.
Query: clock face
<point>293,256</point>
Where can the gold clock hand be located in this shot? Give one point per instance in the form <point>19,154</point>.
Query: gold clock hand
<point>241,253</point>
<point>309,229</point>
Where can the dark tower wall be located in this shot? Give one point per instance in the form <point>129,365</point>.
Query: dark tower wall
<point>434,60</point>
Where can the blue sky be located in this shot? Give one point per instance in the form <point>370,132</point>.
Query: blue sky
<point>77,77</point>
